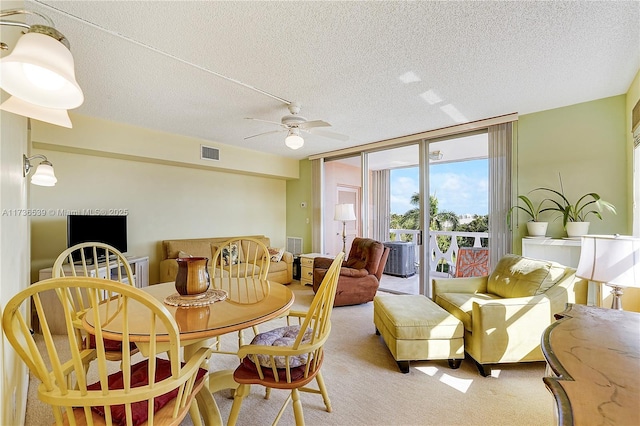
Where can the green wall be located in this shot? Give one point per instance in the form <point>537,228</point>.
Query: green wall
<point>299,219</point>
<point>587,144</point>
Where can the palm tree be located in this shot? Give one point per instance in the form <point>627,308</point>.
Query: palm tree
<point>445,221</point>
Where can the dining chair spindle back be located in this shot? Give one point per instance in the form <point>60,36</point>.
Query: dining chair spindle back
<point>295,365</point>
<point>234,262</point>
<point>98,260</point>
<point>155,390</point>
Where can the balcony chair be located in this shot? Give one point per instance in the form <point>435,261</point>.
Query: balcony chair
<point>235,261</point>
<point>153,391</point>
<point>360,274</point>
<point>290,357</point>
<point>471,262</point>
<point>98,260</point>
<point>505,314</point>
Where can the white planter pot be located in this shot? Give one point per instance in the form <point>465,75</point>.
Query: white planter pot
<point>577,229</point>
<point>537,229</point>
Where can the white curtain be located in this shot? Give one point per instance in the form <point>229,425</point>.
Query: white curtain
<point>317,171</point>
<point>380,204</point>
<point>500,153</point>
<point>636,185</point>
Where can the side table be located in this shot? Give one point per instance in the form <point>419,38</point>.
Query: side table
<point>306,267</point>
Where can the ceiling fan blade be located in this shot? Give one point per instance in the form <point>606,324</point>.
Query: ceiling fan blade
<point>264,133</point>
<point>264,121</point>
<point>328,134</point>
<point>314,123</point>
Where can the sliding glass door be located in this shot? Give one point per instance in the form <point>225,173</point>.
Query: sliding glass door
<point>424,200</point>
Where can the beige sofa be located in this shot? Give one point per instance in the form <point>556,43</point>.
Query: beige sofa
<point>505,314</point>
<point>280,272</point>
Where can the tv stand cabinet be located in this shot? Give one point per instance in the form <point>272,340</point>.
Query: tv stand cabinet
<point>139,267</point>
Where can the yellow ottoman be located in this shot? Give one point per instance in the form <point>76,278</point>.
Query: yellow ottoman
<point>416,328</point>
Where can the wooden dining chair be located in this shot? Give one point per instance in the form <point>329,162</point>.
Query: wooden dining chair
<point>235,261</point>
<point>153,391</point>
<point>290,357</point>
<point>94,259</point>
<point>98,260</point>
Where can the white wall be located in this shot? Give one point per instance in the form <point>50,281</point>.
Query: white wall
<point>164,201</point>
<point>14,244</point>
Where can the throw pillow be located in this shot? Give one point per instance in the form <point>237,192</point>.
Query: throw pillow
<point>230,254</point>
<point>182,254</point>
<point>276,253</point>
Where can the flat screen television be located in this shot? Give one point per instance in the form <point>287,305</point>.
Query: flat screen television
<point>110,230</point>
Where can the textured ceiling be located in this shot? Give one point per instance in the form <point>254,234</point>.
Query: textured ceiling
<point>367,68</point>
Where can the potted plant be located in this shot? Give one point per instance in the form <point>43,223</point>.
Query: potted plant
<point>535,227</point>
<point>574,215</point>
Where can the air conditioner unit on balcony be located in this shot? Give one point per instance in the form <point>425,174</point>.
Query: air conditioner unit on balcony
<point>401,261</point>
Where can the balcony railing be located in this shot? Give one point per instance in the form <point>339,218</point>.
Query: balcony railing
<point>438,256</point>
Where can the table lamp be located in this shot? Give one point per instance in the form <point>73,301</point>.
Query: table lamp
<point>344,213</point>
<point>613,260</point>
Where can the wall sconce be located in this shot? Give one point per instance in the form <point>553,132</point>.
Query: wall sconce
<point>44,172</point>
<point>39,73</point>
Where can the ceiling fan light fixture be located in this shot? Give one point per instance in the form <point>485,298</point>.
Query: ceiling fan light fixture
<point>435,155</point>
<point>293,139</point>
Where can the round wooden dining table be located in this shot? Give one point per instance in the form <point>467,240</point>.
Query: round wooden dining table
<point>248,302</point>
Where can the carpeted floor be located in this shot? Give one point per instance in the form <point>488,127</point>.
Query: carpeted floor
<point>366,387</point>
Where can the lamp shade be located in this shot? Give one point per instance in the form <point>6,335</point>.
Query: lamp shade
<point>18,106</point>
<point>40,70</point>
<point>293,139</point>
<point>344,212</point>
<point>610,259</point>
<point>44,175</point>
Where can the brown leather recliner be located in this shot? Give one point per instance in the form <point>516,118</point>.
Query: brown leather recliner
<point>359,275</point>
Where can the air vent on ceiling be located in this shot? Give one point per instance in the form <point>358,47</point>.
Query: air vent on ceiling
<point>209,153</point>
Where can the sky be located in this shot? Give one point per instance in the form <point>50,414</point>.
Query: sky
<point>461,187</point>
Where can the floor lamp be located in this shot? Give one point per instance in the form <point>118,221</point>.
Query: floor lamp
<point>613,260</point>
<point>344,214</point>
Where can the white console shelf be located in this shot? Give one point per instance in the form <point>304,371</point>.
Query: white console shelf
<point>139,267</point>
<point>561,250</point>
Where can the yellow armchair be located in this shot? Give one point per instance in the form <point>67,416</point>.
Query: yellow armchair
<point>505,314</point>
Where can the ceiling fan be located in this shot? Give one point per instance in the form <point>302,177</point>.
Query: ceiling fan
<point>293,124</point>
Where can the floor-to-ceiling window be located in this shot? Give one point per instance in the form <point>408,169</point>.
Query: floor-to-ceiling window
<point>442,183</point>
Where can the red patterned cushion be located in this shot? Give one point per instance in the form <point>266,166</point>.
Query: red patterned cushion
<point>472,262</point>
<point>247,370</point>
<point>110,345</point>
<point>139,377</point>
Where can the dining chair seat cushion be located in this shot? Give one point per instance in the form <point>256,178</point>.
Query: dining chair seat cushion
<point>110,345</point>
<point>248,373</point>
<point>283,336</point>
<point>139,377</point>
